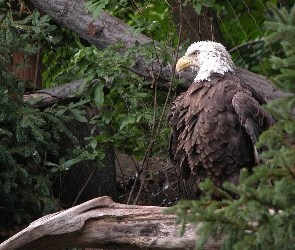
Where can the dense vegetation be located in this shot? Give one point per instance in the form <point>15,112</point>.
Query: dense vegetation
<point>27,134</point>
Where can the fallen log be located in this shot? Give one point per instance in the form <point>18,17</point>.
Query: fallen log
<point>102,223</point>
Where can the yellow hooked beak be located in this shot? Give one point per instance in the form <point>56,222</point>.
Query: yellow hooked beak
<point>183,63</point>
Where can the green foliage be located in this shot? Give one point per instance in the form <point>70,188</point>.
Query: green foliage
<point>120,95</point>
<point>263,216</point>
<point>283,27</point>
<point>26,134</point>
<point>57,54</point>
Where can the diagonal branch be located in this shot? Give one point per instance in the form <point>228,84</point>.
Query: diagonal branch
<point>107,30</point>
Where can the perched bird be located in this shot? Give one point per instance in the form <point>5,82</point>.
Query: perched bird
<point>216,122</point>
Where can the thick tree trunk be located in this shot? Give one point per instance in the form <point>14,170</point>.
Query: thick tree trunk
<point>85,180</point>
<point>101,223</point>
<point>195,27</point>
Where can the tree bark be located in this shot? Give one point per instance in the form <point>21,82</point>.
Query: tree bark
<point>60,94</point>
<point>195,27</point>
<point>85,180</point>
<point>102,32</point>
<point>101,223</point>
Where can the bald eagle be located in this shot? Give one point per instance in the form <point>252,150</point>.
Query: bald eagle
<point>216,122</point>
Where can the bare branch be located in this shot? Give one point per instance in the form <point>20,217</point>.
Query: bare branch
<point>245,44</point>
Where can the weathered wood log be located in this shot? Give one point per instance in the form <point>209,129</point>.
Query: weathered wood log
<point>101,223</point>
<point>47,97</point>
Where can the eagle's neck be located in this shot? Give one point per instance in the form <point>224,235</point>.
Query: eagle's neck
<point>213,62</point>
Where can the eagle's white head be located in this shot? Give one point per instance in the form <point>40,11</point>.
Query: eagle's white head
<point>205,58</point>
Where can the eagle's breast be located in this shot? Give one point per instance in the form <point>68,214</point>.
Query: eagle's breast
<point>210,141</point>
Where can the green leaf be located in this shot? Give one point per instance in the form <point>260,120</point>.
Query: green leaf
<point>80,103</point>
<point>95,7</point>
<point>34,100</point>
<point>86,81</point>
<point>107,116</point>
<point>100,155</point>
<point>127,121</point>
<point>79,114</point>
<point>54,169</point>
<point>93,143</point>
<point>61,111</point>
<point>43,20</point>
<point>197,4</point>
<point>67,164</point>
<point>289,127</point>
<point>98,94</point>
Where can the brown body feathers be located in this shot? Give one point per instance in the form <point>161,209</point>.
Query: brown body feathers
<point>215,125</point>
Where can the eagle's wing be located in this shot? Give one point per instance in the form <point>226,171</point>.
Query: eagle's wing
<point>177,154</point>
<point>251,116</point>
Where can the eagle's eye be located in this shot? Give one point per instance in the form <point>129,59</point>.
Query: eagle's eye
<point>196,53</point>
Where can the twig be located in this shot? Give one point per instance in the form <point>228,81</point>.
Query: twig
<point>173,69</point>
<point>245,44</point>
<point>81,191</point>
<point>179,183</point>
<point>145,163</point>
<point>123,176</point>
<point>133,187</point>
<point>37,65</point>
<point>135,180</point>
<point>147,155</point>
<point>135,164</point>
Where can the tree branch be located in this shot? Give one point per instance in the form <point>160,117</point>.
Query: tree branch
<point>108,30</point>
<point>245,44</point>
